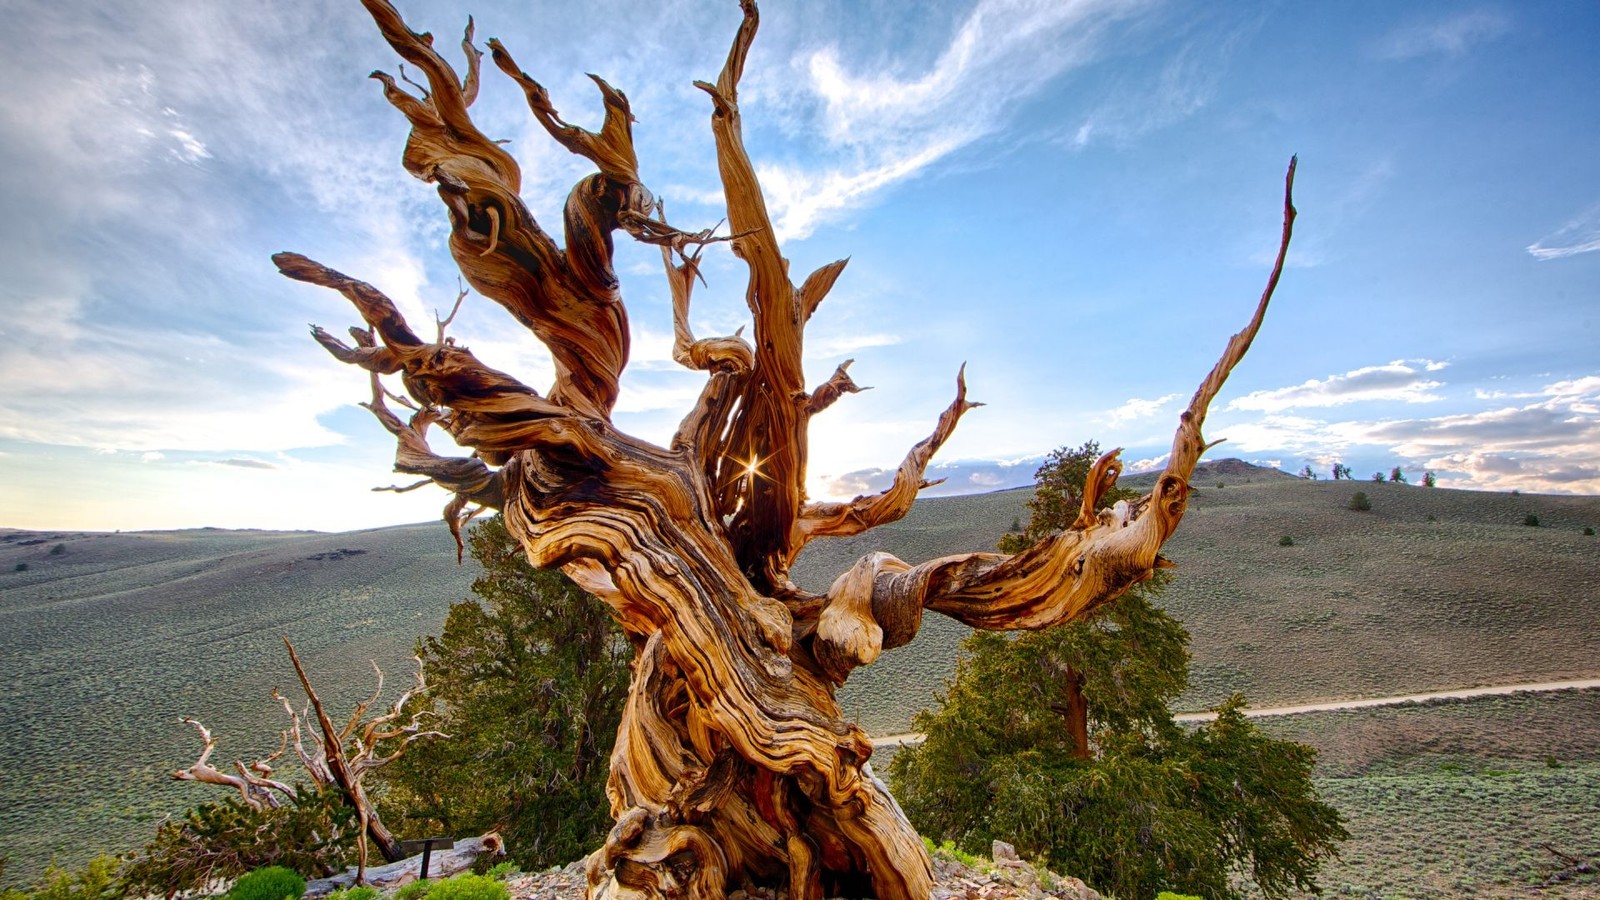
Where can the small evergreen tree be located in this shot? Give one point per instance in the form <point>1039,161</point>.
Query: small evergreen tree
<point>1428,480</point>
<point>314,834</point>
<point>1308,473</point>
<point>1359,502</point>
<point>1061,742</point>
<point>1341,472</point>
<point>529,680</point>
<point>1396,476</point>
<point>1378,477</point>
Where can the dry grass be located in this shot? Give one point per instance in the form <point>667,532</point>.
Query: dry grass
<point>1460,797</point>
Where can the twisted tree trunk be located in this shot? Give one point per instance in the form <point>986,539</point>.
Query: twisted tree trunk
<point>733,764</point>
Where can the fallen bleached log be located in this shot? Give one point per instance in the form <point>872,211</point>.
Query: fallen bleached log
<point>442,864</point>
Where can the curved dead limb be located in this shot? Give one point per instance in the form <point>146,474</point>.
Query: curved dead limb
<point>342,773</point>
<point>870,511</point>
<point>817,286</point>
<point>1068,574</point>
<point>829,392</point>
<point>254,787</point>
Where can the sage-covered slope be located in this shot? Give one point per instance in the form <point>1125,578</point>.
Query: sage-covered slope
<point>111,639</point>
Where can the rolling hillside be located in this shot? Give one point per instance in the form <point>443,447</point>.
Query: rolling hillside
<point>112,638</point>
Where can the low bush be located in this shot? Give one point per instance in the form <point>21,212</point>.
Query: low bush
<point>1588,531</point>
<point>500,871</point>
<point>314,835</point>
<point>1531,520</point>
<point>416,890</point>
<point>1359,501</point>
<point>364,892</point>
<point>270,883</point>
<point>469,887</point>
<point>97,881</point>
<point>1286,541</point>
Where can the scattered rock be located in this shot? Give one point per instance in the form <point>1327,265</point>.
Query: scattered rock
<point>1011,878</point>
<point>341,553</point>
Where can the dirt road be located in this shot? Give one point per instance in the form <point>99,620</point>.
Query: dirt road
<point>898,740</point>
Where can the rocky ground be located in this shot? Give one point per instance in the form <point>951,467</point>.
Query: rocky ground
<point>1005,878</point>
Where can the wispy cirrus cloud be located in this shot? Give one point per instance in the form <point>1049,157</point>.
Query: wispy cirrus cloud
<point>1579,235</point>
<point>1450,35</point>
<point>886,125</point>
<point>1403,380</point>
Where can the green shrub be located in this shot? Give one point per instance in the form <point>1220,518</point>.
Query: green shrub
<point>97,881</point>
<point>21,567</point>
<point>1286,541</point>
<point>1168,895</point>
<point>364,892</point>
<point>1530,520</point>
<point>500,871</point>
<point>314,834</point>
<point>469,887</point>
<point>1359,501</point>
<point>270,883</point>
<point>416,890</point>
<point>1588,531</point>
<point>58,549</point>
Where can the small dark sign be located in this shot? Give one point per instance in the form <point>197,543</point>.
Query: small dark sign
<point>426,845</point>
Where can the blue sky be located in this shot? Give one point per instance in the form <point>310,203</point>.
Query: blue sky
<point>1080,200</point>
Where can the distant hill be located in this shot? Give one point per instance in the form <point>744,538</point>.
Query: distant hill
<point>114,637</point>
<point>111,638</point>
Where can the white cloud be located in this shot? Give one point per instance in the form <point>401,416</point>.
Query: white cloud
<point>1452,35</point>
<point>826,346</point>
<point>1182,87</point>
<point>1549,445</point>
<point>1400,381</point>
<point>1136,409</point>
<point>1148,464</point>
<point>1580,235</point>
<point>886,125</point>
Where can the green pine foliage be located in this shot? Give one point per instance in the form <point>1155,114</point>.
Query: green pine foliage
<point>313,835</point>
<point>1153,807</point>
<point>97,880</point>
<point>269,883</point>
<point>528,679</point>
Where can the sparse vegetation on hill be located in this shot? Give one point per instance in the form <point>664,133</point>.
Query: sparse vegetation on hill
<point>1381,603</point>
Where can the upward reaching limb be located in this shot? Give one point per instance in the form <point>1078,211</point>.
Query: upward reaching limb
<point>1064,576</point>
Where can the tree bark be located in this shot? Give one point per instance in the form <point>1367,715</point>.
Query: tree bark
<point>734,765</point>
<point>1075,714</point>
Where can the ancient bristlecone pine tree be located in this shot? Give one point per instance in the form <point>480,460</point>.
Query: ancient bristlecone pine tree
<point>733,764</point>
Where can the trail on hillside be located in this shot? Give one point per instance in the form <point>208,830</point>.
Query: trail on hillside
<point>912,737</point>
